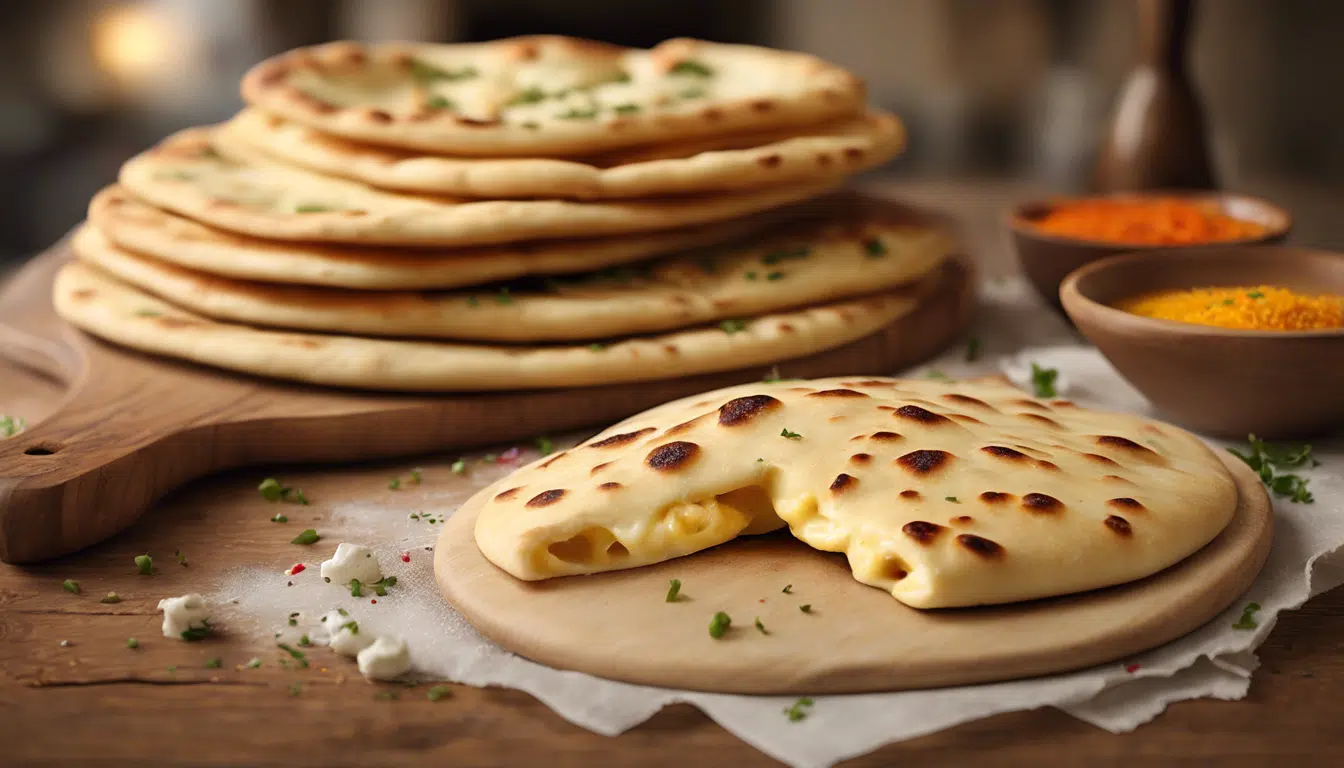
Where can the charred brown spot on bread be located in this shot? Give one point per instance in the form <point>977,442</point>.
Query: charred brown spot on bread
<point>910,493</point>
<point>272,74</point>
<point>1063,404</point>
<point>671,349</point>
<point>546,498</point>
<point>923,462</point>
<point>843,482</point>
<point>177,322</point>
<point>1048,466</point>
<point>712,114</point>
<point>1118,524</point>
<point>786,328</point>
<point>1125,502</point>
<point>837,393</point>
<point>921,415</point>
<point>1039,502</point>
<point>609,486</point>
<point>824,159</point>
<point>860,458</point>
<point>885,437</point>
<point>83,293</point>
<point>869,383</point>
<point>762,105</point>
<point>311,102</point>
<point>1123,443</point>
<point>509,494</point>
<point>1025,403</point>
<point>472,122</point>
<point>1004,452</point>
<point>1098,458</point>
<point>968,400</point>
<point>303,343</point>
<point>769,161</point>
<point>980,545</point>
<point>742,410</point>
<point>921,531</point>
<point>886,407</point>
<point>379,116</point>
<point>684,426</point>
<point>962,520</point>
<point>1039,419</point>
<point>853,153</point>
<point>1116,479</point>
<point>965,419</point>
<point>553,459</point>
<point>616,441</point>
<point>995,497</point>
<point>672,456</point>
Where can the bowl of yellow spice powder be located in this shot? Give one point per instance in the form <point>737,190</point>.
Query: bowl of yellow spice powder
<point>1225,340</point>
<point>1055,237</point>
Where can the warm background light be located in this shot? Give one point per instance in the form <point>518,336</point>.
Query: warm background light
<point>134,43</point>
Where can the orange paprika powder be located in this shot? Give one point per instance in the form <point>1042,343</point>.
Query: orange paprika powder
<point>1145,221</point>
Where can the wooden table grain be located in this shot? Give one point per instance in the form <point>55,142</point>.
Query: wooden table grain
<point>97,702</point>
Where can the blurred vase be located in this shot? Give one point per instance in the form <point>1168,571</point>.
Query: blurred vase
<point>1157,139</point>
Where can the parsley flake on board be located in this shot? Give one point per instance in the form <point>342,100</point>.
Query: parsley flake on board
<point>294,619</point>
<point>673,590</point>
<point>1043,380</point>
<point>11,425</point>
<point>719,625</point>
<point>112,598</point>
<point>438,692</point>
<point>788,589</point>
<point>1267,459</point>
<point>760,627</point>
<point>790,435</point>
<point>800,709</point>
<point>279,518</point>
<point>181,558</point>
<point>192,634</point>
<point>386,696</point>
<point>272,490</point>
<point>132,643</point>
<point>545,446</point>
<point>733,326</point>
<point>70,585</point>
<point>309,536</point>
<point>459,467</point>
<point>394,484</point>
<point>1247,620</point>
<point>295,689</point>
<point>380,586</point>
<point>952,499</point>
<point>356,588</point>
<point>805,607</point>
<point>296,654</point>
<point>214,663</point>
<point>252,663</point>
<point>144,564</point>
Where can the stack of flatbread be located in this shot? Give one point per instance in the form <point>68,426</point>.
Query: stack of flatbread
<point>526,213</point>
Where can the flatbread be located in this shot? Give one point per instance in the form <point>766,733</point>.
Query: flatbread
<point>826,152</point>
<point>141,228</point>
<point>109,309</point>
<point>547,95</point>
<point>943,493</point>
<point>205,176</point>
<point>868,248</point>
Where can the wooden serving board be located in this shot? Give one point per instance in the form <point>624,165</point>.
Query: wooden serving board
<point>855,639</point>
<point>132,427</point>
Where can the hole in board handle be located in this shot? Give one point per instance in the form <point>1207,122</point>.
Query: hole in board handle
<point>43,449</point>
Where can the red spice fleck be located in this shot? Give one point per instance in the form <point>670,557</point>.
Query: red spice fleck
<point>296,569</point>
<point>1131,668</point>
<point>405,557</point>
<point>762,600</point>
<point>509,456</point>
<point>373,601</point>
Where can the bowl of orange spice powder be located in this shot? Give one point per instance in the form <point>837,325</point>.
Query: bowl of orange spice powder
<point>1225,340</point>
<point>1055,237</point>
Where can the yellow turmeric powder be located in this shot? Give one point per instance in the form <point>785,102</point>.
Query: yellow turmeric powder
<point>1255,308</point>
<point>1146,221</point>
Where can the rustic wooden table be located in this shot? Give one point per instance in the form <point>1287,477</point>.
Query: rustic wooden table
<point>96,701</point>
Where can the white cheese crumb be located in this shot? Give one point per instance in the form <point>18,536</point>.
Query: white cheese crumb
<point>352,561</point>
<point>183,613</point>
<point>386,659</point>
<point>344,635</point>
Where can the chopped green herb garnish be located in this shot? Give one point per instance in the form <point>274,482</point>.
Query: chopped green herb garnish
<point>1043,380</point>
<point>380,586</point>
<point>299,498</point>
<point>459,467</point>
<point>394,484</point>
<point>937,375</point>
<point>751,275</point>
<point>144,564</point>
<point>760,627</point>
<point>695,92</point>
<point>172,669</point>
<point>690,67</point>
<point>575,113</point>
<point>192,634</point>
<point>625,109</point>
<point>279,518</point>
<point>428,73</point>
<point>131,642</point>
<point>1266,459</point>
<point>774,276</point>
<point>1247,620</point>
<point>11,425</point>
<point>356,589</point>
<point>673,590</point>
<point>296,654</point>
<point>294,619</point>
<point>438,692</point>
<point>272,490</point>
<point>790,435</point>
<point>952,499</point>
<point>973,346</point>
<point>214,663</point>
<point>112,598</point>
<point>309,536</point>
<point>772,375</point>
<point>305,641</point>
<point>295,689</point>
<point>544,445</point>
<point>417,476</point>
<point>472,301</point>
<point>874,248</point>
<point>70,585</point>
<point>719,624</point>
<point>147,313</point>
<point>435,101</point>
<point>596,347</point>
<point>181,558</point>
<point>733,326</point>
<point>799,710</point>
<point>1228,302</point>
<point>386,696</point>
<point>785,254</point>
<point>529,95</point>
<point>352,625</point>
<point>1255,295</point>
<point>788,589</point>
<point>252,663</point>
<point>503,297</point>
<point>805,607</point>
<point>489,458</point>
<point>311,208</point>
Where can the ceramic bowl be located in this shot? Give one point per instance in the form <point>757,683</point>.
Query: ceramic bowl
<point>1046,259</point>
<point>1218,381</point>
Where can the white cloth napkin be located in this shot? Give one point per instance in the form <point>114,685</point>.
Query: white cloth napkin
<point>1014,330</point>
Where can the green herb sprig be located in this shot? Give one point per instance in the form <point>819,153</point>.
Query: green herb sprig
<point>800,709</point>
<point>1043,380</point>
<point>1267,460</point>
<point>718,626</point>
<point>1247,620</point>
<point>272,490</point>
<point>673,590</point>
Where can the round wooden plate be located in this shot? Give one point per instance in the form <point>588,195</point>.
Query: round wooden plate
<point>854,639</point>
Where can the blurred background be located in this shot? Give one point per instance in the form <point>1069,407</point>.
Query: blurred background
<point>1010,89</point>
